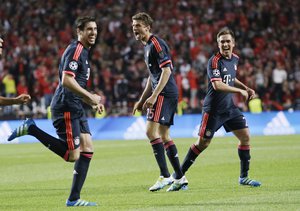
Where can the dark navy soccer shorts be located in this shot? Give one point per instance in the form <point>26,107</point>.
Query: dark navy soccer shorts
<point>231,120</point>
<point>163,110</point>
<point>68,128</point>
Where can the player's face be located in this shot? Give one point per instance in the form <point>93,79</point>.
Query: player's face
<point>226,44</point>
<point>140,30</point>
<point>89,34</point>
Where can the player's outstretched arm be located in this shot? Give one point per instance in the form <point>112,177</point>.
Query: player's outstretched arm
<point>21,99</point>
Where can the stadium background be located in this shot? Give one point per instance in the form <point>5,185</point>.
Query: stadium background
<point>36,33</point>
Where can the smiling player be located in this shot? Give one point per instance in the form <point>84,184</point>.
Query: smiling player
<point>74,143</point>
<point>219,109</point>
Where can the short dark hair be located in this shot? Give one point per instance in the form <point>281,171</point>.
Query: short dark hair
<point>82,21</point>
<point>224,31</point>
<point>144,17</point>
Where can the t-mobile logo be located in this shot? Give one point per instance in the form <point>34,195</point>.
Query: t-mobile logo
<point>227,79</point>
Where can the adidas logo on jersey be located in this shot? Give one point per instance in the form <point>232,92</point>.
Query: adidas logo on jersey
<point>163,118</point>
<point>279,125</point>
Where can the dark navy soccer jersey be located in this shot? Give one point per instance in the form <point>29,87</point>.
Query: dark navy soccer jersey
<point>74,62</point>
<point>220,69</point>
<point>157,55</point>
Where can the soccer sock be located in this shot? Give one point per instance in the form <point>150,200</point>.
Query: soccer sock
<point>173,157</point>
<point>80,171</point>
<point>159,153</point>
<point>244,154</point>
<point>190,158</point>
<point>54,144</point>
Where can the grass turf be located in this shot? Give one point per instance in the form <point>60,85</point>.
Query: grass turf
<point>32,178</point>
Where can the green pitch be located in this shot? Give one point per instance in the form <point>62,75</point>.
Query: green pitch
<point>33,178</point>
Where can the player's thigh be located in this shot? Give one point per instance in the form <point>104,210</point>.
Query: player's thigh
<point>239,127</point>
<point>210,123</point>
<point>86,143</point>
<point>235,121</point>
<point>67,129</point>
<point>163,110</point>
<point>152,130</point>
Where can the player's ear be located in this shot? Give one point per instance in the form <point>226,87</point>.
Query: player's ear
<point>149,28</point>
<point>78,32</point>
<point>233,42</point>
<point>218,42</point>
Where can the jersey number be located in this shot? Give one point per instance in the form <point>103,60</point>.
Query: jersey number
<point>150,113</point>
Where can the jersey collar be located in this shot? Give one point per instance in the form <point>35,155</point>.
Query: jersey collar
<point>149,40</point>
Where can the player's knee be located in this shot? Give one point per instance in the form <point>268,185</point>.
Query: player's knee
<point>71,160</point>
<point>203,143</point>
<point>165,138</point>
<point>87,148</point>
<point>151,135</point>
<point>245,139</point>
<point>73,157</point>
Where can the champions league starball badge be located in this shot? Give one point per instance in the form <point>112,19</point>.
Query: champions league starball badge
<point>216,72</point>
<point>73,65</point>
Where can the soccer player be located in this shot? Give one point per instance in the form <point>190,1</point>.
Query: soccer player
<point>219,109</point>
<point>21,99</point>
<point>74,143</point>
<point>159,98</point>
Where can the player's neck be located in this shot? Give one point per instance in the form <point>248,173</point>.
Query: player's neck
<point>227,56</point>
<point>85,44</point>
<point>146,38</point>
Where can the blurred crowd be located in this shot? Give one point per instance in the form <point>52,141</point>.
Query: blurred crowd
<point>37,32</point>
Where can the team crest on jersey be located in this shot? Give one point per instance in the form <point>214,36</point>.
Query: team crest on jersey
<point>216,72</point>
<point>208,133</point>
<point>76,140</point>
<point>73,65</point>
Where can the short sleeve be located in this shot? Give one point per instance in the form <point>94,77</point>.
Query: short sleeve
<point>213,69</point>
<point>162,53</point>
<point>71,60</point>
